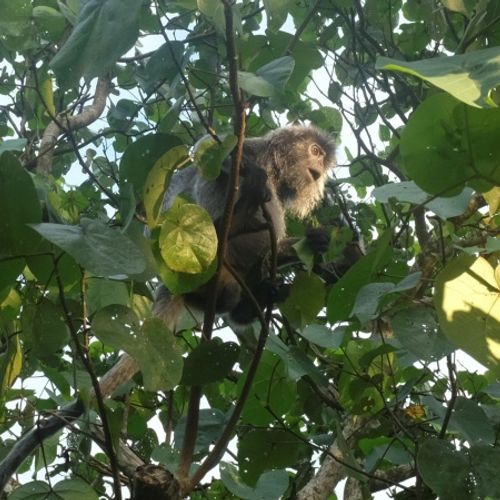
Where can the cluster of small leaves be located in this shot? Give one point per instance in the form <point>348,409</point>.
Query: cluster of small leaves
<point>414,82</point>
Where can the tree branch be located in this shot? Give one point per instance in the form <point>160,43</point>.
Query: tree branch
<point>331,471</point>
<point>62,123</point>
<point>233,186</point>
<point>46,427</point>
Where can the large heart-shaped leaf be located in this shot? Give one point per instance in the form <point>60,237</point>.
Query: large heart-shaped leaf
<point>467,300</point>
<point>150,344</point>
<point>188,241</point>
<point>447,145</point>
<point>469,77</point>
<point>209,362</point>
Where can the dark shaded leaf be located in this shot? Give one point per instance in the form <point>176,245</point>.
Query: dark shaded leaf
<point>96,247</point>
<point>105,30</point>
<point>209,362</point>
<point>15,185</point>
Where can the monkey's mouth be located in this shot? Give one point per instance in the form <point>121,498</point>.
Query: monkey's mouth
<point>314,173</point>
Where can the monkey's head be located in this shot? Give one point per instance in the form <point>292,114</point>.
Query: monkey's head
<point>300,160</point>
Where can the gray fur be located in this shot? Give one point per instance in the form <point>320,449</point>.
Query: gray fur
<point>295,179</point>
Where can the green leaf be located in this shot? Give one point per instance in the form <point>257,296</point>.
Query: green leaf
<point>323,336</point>
<point>449,480</point>
<point>277,11</point>
<point>469,419</point>
<point>69,10</point>
<point>44,328</point>
<point>96,247</point>
<point>15,17</point>
<point>158,179</point>
<point>271,389</point>
<point>456,6</point>
<point>75,489</point>
<point>255,85</point>
<point>180,283</point>
<point>141,156</point>
<point>262,450</point>
<point>370,296</point>
<point>271,485</point>
<point>69,489</point>
<point>50,20</point>
<point>209,362</point>
<point>297,364</point>
<point>484,461</point>
<point>105,30</point>
<point>153,347</point>
<point>408,191</point>
<point>15,185</point>
<point>305,253</point>
<point>447,145</point>
<point>343,293</point>
<point>103,292</point>
<point>306,299</point>
<point>162,66</point>
<point>277,72</point>
<point>42,266</point>
<point>35,490</point>
<point>467,300</point>
<point>209,155</point>
<point>326,118</point>
<point>188,241</point>
<point>12,145</point>
<point>469,77</point>
<point>210,425</point>
<point>214,10</point>
<point>269,79</point>
<point>461,475</point>
<point>418,331</point>
<point>11,362</point>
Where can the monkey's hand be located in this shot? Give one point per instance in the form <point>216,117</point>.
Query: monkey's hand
<point>318,239</point>
<point>254,188</point>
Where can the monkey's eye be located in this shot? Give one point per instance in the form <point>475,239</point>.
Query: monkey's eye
<point>316,150</point>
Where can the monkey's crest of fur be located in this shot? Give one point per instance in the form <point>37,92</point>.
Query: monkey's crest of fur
<point>282,153</point>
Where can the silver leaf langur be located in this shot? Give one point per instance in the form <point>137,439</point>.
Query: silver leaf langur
<point>286,171</point>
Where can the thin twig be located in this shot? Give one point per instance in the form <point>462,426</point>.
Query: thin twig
<point>83,355</point>
<point>187,450</point>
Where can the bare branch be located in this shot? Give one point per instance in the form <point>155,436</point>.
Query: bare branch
<point>62,123</point>
<point>44,428</point>
<point>331,471</point>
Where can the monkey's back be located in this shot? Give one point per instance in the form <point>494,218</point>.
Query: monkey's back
<point>190,184</point>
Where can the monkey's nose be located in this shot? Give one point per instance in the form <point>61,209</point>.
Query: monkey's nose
<point>315,174</point>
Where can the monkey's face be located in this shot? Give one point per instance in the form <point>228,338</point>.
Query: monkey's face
<point>302,176</point>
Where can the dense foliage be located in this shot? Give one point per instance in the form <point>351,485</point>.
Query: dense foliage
<point>100,101</point>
